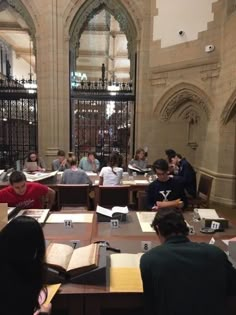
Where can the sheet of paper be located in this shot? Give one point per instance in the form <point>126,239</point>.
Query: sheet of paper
<point>141,182</point>
<point>39,176</point>
<point>128,182</point>
<point>91,174</point>
<point>229,240</point>
<point>74,217</point>
<point>1,171</point>
<point>125,280</point>
<point>207,214</point>
<point>118,209</point>
<point>52,290</point>
<point>145,219</point>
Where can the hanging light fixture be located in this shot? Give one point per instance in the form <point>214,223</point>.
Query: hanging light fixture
<point>30,84</point>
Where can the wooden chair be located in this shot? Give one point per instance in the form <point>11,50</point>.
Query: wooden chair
<point>203,193</point>
<point>110,196</point>
<point>70,196</point>
<point>142,200</point>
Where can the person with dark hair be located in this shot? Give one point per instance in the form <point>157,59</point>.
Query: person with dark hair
<point>139,161</point>
<point>165,191</point>
<point>22,247</point>
<point>33,157</point>
<point>183,169</point>
<point>26,195</point>
<point>75,175</point>
<point>60,163</point>
<point>181,277</point>
<point>112,174</point>
<point>89,163</point>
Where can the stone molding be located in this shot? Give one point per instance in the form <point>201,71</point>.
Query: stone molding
<point>180,94</point>
<point>227,113</point>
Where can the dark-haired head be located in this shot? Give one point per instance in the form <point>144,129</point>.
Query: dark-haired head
<point>17,177</point>
<point>72,161</point>
<point>32,157</point>
<point>61,153</point>
<point>22,248</point>
<point>169,222</point>
<point>115,159</point>
<point>139,154</point>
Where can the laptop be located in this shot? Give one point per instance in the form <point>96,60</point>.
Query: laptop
<point>31,166</point>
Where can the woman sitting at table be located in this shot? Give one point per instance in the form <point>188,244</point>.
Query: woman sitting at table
<point>139,161</point>
<point>22,270</point>
<point>33,157</point>
<point>112,174</point>
<point>74,175</point>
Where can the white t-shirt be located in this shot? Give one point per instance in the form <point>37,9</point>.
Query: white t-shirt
<point>109,178</point>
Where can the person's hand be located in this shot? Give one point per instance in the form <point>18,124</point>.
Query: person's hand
<point>44,309</point>
<point>63,162</point>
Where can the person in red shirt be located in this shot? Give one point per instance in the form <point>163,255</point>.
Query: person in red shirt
<point>26,195</point>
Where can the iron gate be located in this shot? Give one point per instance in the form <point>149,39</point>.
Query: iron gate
<point>18,121</point>
<point>102,120</point>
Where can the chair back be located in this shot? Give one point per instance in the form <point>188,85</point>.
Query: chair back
<point>204,188</point>
<point>142,200</point>
<point>73,196</point>
<point>110,196</point>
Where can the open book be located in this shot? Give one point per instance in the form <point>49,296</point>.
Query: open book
<point>38,214</point>
<point>65,259</point>
<point>105,214</point>
<point>138,169</point>
<point>125,273</point>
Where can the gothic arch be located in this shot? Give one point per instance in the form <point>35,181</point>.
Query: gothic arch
<point>179,95</point>
<point>115,7</point>
<point>21,8</point>
<point>229,109</point>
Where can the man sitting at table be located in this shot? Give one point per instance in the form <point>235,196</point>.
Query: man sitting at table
<point>89,163</point>
<point>182,277</point>
<point>60,164</point>
<point>26,195</point>
<point>165,191</point>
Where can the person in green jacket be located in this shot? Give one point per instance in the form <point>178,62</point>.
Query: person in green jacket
<point>181,277</point>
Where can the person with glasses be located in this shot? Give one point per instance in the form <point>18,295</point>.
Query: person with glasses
<point>165,191</point>
<point>22,247</point>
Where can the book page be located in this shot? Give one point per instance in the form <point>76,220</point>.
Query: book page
<point>3,215</point>
<point>59,254</point>
<point>84,256</point>
<point>125,260</point>
<point>52,290</point>
<point>207,214</point>
<point>38,214</point>
<point>104,211</point>
<point>74,217</point>
<point>145,219</point>
<point>125,280</point>
<point>117,209</point>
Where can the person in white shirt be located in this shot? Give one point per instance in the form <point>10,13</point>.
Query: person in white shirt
<point>111,175</point>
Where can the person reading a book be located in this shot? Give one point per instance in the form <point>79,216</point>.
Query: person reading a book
<point>139,161</point>
<point>165,191</point>
<point>33,157</point>
<point>111,175</point>
<point>75,175</point>
<point>60,164</point>
<point>22,248</point>
<point>183,277</point>
<point>89,163</point>
<point>26,195</point>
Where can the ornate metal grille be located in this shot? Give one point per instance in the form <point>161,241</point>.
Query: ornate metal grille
<point>102,120</point>
<point>18,122</point>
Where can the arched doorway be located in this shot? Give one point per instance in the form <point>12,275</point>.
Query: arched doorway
<point>102,67</point>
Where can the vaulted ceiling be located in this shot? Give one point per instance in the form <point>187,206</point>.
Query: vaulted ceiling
<point>102,42</point>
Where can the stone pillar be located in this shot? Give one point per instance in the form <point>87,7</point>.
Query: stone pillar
<point>53,81</point>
